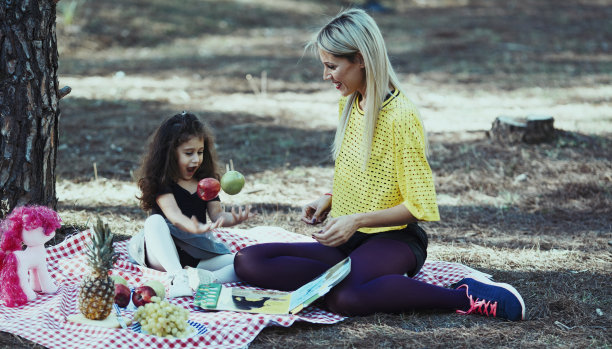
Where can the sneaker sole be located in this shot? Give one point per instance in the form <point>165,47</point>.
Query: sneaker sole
<point>506,286</point>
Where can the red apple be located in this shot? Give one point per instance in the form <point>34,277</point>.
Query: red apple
<point>158,287</point>
<point>122,295</point>
<point>142,295</point>
<point>208,188</point>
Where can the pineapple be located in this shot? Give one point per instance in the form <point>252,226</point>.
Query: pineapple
<point>97,293</point>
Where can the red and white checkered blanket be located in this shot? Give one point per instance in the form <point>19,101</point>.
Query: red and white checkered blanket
<point>44,320</point>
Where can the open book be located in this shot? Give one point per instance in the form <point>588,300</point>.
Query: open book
<point>219,297</point>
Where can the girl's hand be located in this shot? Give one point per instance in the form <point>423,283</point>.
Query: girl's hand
<point>202,228</point>
<point>241,215</point>
<point>216,211</point>
<point>317,211</point>
<point>337,231</point>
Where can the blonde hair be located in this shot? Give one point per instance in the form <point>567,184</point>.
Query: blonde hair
<point>354,32</point>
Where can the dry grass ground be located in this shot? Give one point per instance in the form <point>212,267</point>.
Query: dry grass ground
<point>536,216</point>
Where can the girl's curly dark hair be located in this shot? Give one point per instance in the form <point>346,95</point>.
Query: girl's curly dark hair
<point>159,165</point>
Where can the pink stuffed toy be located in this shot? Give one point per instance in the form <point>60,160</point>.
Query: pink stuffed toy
<point>31,226</point>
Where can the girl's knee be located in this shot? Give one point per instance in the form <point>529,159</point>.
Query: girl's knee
<point>154,220</point>
<point>156,225</point>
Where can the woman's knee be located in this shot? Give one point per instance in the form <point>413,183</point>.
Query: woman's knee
<point>345,301</point>
<point>252,260</point>
<point>243,262</point>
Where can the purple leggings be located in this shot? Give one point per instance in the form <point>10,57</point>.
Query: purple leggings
<point>376,282</point>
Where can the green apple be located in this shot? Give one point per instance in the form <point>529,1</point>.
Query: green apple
<point>232,182</point>
<point>158,287</point>
<point>119,280</point>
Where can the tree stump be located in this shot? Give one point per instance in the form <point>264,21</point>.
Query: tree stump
<point>531,129</point>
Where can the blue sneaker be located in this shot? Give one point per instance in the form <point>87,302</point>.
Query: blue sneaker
<point>492,299</point>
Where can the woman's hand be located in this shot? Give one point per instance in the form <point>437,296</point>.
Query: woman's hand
<point>337,231</point>
<point>317,211</point>
<point>202,228</point>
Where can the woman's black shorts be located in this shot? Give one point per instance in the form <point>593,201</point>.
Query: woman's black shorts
<point>412,234</point>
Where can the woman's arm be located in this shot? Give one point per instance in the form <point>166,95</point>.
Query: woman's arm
<point>390,217</point>
<point>173,213</point>
<point>338,230</point>
<point>216,213</point>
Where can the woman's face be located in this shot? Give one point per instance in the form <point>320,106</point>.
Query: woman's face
<point>190,155</point>
<point>346,76</point>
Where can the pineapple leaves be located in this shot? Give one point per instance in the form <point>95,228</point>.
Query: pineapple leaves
<point>101,253</point>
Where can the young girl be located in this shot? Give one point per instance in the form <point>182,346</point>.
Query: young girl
<point>176,237</point>
<point>382,187</point>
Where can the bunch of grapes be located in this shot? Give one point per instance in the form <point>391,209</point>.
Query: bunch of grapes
<point>163,319</point>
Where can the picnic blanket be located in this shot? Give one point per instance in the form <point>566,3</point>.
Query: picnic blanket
<point>44,320</point>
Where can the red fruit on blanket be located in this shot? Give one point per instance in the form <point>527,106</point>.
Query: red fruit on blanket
<point>122,295</point>
<point>142,295</point>
<point>208,188</point>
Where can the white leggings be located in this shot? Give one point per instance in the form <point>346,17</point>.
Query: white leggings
<point>162,253</point>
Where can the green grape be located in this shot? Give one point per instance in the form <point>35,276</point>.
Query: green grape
<point>163,319</point>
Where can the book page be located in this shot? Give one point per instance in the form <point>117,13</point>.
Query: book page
<point>253,301</point>
<point>308,293</point>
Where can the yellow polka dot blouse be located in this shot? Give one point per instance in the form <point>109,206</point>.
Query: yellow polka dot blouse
<point>397,171</point>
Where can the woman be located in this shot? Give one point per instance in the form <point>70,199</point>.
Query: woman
<point>383,186</point>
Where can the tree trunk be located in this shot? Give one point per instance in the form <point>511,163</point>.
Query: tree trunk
<point>532,129</point>
<point>29,96</point>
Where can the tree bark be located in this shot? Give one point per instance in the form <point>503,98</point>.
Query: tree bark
<point>29,96</point>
